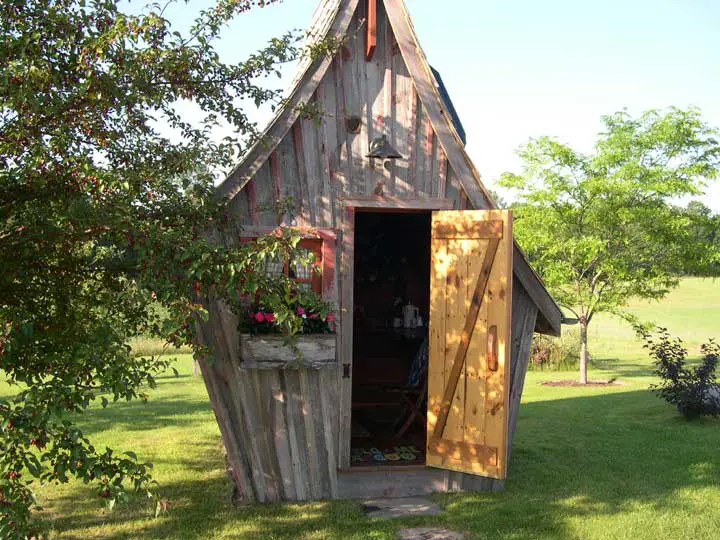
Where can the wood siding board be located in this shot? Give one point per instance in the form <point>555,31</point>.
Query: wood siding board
<point>290,186</point>
<point>252,202</point>
<point>343,172</point>
<point>437,342</point>
<point>329,146</point>
<point>273,161</point>
<point>403,108</point>
<point>296,426</point>
<point>371,31</point>
<point>305,209</point>
<point>313,166</point>
<point>327,380</point>
<point>442,173</point>
<point>260,411</point>
<point>388,100</point>
<point>339,23</point>
<point>428,137</point>
<point>353,77</point>
<point>523,324</point>
<point>314,465</point>
<point>254,433</point>
<point>367,77</point>
<point>266,208</point>
<point>475,362</point>
<point>265,404</point>
<point>416,162</point>
<point>346,333</point>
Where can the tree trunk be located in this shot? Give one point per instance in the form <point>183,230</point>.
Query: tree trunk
<point>583,350</point>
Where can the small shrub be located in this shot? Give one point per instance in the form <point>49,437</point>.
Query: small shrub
<point>693,390</point>
<point>558,354</point>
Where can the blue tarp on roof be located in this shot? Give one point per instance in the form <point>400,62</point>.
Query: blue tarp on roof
<point>449,105</point>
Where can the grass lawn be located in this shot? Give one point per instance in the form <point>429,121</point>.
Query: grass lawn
<point>587,463</point>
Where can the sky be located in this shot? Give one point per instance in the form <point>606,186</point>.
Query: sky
<point>517,69</point>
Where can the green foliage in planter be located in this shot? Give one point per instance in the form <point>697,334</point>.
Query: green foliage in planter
<point>693,390</point>
<point>289,310</point>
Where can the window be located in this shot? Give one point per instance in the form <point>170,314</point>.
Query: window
<point>317,276</point>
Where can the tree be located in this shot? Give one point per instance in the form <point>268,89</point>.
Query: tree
<point>705,227</point>
<point>601,228</point>
<point>104,216</point>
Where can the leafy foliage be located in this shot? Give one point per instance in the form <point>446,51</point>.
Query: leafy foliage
<point>693,391</point>
<point>106,213</point>
<point>289,310</point>
<point>601,228</point>
<point>556,353</point>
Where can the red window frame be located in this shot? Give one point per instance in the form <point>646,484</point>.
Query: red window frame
<point>321,241</point>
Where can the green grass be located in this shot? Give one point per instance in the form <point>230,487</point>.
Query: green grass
<point>587,463</point>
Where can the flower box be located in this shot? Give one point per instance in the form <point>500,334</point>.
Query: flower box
<point>272,351</point>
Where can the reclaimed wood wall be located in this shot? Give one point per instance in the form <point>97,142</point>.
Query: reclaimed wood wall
<point>319,161</point>
<point>279,426</point>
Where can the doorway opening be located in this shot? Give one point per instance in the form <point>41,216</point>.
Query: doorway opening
<point>390,338</point>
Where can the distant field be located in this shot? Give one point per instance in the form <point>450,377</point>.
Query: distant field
<point>588,463</point>
<point>691,312</point>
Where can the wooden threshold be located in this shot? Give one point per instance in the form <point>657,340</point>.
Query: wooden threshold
<point>376,468</point>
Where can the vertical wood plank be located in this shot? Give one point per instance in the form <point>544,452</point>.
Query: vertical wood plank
<point>498,300</point>
<point>439,266</point>
<point>345,358</point>
<point>442,173</point>
<point>275,175</point>
<point>296,434</point>
<point>476,363</point>
<point>305,210</point>
<point>310,437</point>
<point>343,172</point>
<point>280,434</point>
<point>403,106</point>
<point>388,95</point>
<point>371,31</point>
<point>458,294</point>
<point>327,383</point>
<point>326,132</point>
<point>415,111</point>
<point>252,202</point>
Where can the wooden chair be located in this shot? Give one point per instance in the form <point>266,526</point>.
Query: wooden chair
<point>410,396</point>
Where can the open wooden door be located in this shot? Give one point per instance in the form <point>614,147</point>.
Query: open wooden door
<point>470,310</point>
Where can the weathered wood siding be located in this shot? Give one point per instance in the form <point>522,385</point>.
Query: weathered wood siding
<point>319,161</point>
<point>280,425</point>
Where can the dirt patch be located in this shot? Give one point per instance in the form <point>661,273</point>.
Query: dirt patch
<point>570,382</point>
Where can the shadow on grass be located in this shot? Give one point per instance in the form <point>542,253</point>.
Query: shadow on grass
<point>583,458</point>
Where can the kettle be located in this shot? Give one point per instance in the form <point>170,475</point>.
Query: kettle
<point>410,315</point>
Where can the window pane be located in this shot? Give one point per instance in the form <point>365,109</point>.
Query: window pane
<point>299,269</point>
<point>274,266</point>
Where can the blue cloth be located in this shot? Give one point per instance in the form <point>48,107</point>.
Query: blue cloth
<point>419,365</point>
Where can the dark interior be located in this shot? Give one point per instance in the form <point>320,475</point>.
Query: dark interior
<point>392,274</point>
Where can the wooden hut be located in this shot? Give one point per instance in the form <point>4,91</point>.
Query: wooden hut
<point>415,235</point>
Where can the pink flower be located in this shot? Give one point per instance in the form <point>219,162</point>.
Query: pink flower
<point>300,311</point>
<point>259,317</point>
<point>269,317</point>
<point>314,316</point>
<point>330,317</point>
